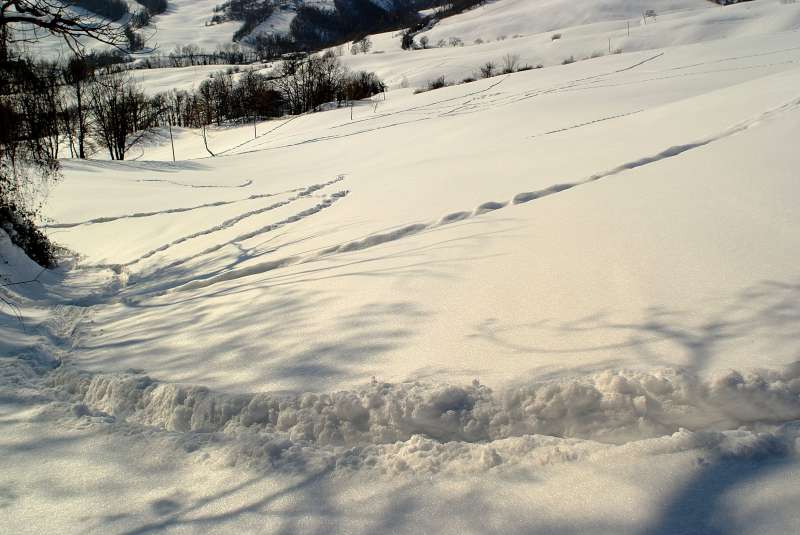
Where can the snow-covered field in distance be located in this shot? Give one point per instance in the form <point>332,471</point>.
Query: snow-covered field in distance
<point>525,29</point>
<point>558,301</point>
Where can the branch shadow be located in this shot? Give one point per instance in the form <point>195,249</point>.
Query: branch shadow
<point>700,506</point>
<point>764,315</point>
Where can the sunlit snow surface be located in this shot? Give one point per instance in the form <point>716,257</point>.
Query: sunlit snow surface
<point>560,301</point>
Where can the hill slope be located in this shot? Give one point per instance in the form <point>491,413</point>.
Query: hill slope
<point>557,301</point>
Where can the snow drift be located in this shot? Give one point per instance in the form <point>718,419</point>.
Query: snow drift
<point>384,419</point>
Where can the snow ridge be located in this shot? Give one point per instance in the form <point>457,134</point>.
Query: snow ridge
<point>374,424</point>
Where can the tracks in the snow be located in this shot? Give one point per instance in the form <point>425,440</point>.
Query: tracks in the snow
<point>135,215</point>
<point>304,193</point>
<point>489,206</point>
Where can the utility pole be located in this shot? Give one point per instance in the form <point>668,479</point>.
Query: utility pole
<point>629,28</point>
<point>171,141</point>
<point>255,130</point>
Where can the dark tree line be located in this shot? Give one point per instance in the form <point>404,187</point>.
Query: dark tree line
<point>85,107</point>
<point>110,9</point>
<point>314,27</point>
<point>250,12</point>
<point>300,86</point>
<point>154,7</point>
<point>191,55</point>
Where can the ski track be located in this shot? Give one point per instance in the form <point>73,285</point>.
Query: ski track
<point>268,266</point>
<point>735,58</point>
<point>684,75</point>
<point>480,101</point>
<point>520,198</point>
<point>197,186</point>
<point>271,130</point>
<point>474,103</point>
<point>588,123</point>
<point>304,193</point>
<point>326,203</point>
<point>109,219</point>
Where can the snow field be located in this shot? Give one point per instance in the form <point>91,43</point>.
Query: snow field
<point>557,301</point>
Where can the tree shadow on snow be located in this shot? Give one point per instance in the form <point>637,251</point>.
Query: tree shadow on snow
<point>766,313</point>
<point>703,506</point>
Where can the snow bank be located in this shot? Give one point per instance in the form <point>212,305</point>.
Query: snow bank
<point>384,421</point>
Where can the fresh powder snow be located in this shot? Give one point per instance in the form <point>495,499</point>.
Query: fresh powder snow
<point>561,300</point>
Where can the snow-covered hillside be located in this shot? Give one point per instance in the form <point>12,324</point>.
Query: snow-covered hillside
<point>563,300</point>
<point>584,30</point>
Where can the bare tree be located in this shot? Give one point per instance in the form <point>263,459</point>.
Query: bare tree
<point>306,84</point>
<point>365,44</point>
<point>30,20</point>
<point>122,114</point>
<point>487,69</point>
<point>78,76</point>
<point>510,63</point>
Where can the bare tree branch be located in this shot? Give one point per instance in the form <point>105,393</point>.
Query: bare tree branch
<point>60,18</point>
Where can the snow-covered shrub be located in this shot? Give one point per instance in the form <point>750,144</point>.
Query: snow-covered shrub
<point>510,63</point>
<point>29,113</point>
<point>23,233</point>
<point>436,83</point>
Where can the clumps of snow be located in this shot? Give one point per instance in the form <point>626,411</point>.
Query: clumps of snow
<point>427,426</point>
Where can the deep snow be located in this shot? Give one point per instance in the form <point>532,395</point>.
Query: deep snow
<point>555,301</point>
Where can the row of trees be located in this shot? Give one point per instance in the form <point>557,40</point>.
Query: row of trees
<point>77,106</point>
<point>317,27</point>
<point>191,54</point>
